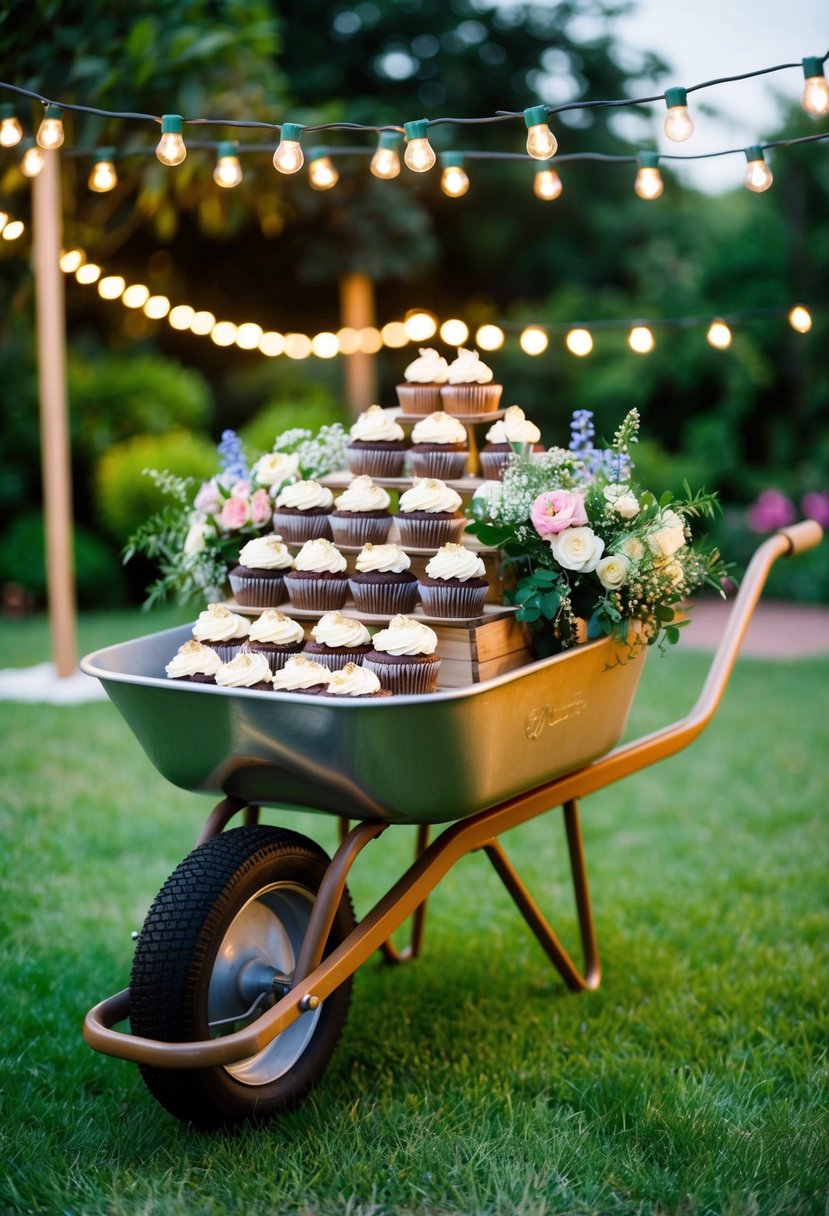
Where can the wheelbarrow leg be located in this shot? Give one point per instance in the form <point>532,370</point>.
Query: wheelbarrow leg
<point>389,951</point>
<point>573,978</point>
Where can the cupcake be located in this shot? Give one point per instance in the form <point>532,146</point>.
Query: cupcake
<point>383,583</point>
<point>509,434</point>
<point>194,662</point>
<point>376,445</point>
<point>354,681</point>
<point>338,640</point>
<point>258,581</point>
<point>246,670</point>
<point>301,674</point>
<point>469,388</point>
<point>276,636</point>
<point>361,514</point>
<point>424,377</point>
<point>440,446</point>
<point>302,510</point>
<point>318,580</point>
<point>222,630</point>
<point>430,515</point>
<point>403,656</point>
<point>455,583</point>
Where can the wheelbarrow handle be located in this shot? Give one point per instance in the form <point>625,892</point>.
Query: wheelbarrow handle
<point>803,536</point>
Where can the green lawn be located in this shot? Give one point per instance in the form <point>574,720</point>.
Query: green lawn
<point>692,1081</point>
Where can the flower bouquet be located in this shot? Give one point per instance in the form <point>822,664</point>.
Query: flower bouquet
<point>590,546</point>
<point>196,536</point>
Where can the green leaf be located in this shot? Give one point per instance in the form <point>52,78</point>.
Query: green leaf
<point>664,612</point>
<point>545,578</point>
<point>528,614</point>
<point>550,603</point>
<point>672,634</point>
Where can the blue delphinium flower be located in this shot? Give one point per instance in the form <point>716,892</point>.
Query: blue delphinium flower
<point>232,459</point>
<point>582,432</point>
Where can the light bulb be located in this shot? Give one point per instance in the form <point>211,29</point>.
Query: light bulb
<point>454,332</point>
<point>11,131</point>
<point>420,326</point>
<point>171,149</point>
<point>648,184</point>
<point>815,91</point>
<point>541,143</point>
<point>800,319</point>
<point>32,162</point>
<point>71,259</point>
<point>322,174</point>
<point>579,342</point>
<point>640,340</point>
<point>533,341</point>
<point>385,163</point>
<point>227,172</point>
<point>489,337</point>
<point>288,156</point>
<point>547,184</point>
<point>453,179</point>
<point>758,176</point>
<point>719,335</point>
<point>103,176</point>
<point>678,122</point>
<point>419,154</point>
<point>13,229</point>
<point>50,131</point>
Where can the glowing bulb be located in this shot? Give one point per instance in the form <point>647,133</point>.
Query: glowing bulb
<point>13,229</point>
<point>648,184</point>
<point>111,287</point>
<point>533,341</point>
<point>579,342</point>
<point>541,143</point>
<point>419,154</point>
<point>88,273</point>
<point>157,308</point>
<point>297,346</point>
<point>171,149</point>
<point>370,340</point>
<point>454,332</point>
<point>227,172</point>
<point>385,163</point>
<point>719,335</point>
<point>453,179</point>
<point>325,345</point>
<point>678,125</point>
<point>348,340</point>
<point>71,259</point>
<point>248,335</point>
<point>640,340</point>
<point>181,316</point>
<point>547,184</point>
<point>223,333</point>
<point>288,156</point>
<point>32,162</point>
<point>393,334</point>
<point>758,175</point>
<point>103,176</point>
<point>201,323</point>
<point>322,174</point>
<point>815,91</point>
<point>419,326</point>
<point>489,337</point>
<point>135,296</point>
<point>800,319</point>
<point>11,131</point>
<point>50,131</point>
<point>272,344</point>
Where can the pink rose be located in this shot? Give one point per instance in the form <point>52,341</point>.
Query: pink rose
<point>558,509</point>
<point>234,514</point>
<point>260,508</point>
<point>240,489</point>
<point>208,498</point>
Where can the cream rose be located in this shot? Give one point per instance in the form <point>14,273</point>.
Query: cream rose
<point>633,548</point>
<point>613,570</point>
<point>275,467</point>
<point>622,500</point>
<point>577,549</point>
<point>668,535</point>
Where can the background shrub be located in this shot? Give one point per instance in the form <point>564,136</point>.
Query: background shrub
<point>99,578</point>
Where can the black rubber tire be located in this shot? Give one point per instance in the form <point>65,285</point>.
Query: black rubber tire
<point>176,954</point>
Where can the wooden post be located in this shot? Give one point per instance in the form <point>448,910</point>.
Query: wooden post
<point>55,457</point>
<point>357,311</point>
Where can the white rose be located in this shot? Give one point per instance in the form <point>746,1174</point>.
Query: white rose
<point>622,500</point>
<point>612,571</point>
<point>668,535</point>
<point>275,467</point>
<point>577,549</point>
<point>196,538</point>
<point>633,548</point>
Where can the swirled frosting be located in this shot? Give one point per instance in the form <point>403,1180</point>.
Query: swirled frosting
<point>193,659</point>
<point>376,426</point>
<point>467,368</point>
<point>429,494</point>
<point>353,681</point>
<point>219,624</point>
<point>382,559</point>
<point>265,553</point>
<point>300,672</point>
<point>514,427</point>
<point>243,670</point>
<point>362,495</point>
<point>338,631</point>
<point>430,368</point>
<point>275,627</point>
<point>439,428</point>
<point>320,557</point>
<point>454,561</point>
<point>405,636</point>
<point>305,496</point>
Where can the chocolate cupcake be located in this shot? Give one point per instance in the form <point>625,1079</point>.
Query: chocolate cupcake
<point>403,656</point>
<point>469,388</point>
<point>454,585</point>
<point>277,637</point>
<point>258,581</point>
<point>222,630</point>
<point>376,446</point>
<point>318,580</point>
<point>512,433</point>
<point>354,681</point>
<point>361,514</point>
<point>440,447</point>
<point>301,512</point>
<point>195,663</point>
<point>245,670</point>
<point>430,515</point>
<point>338,640</point>
<point>302,674</point>
<point>383,583</point>
<point>423,379</point>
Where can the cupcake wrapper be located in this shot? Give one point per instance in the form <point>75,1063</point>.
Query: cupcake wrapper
<point>452,601</point>
<point>278,658</point>
<point>429,533</point>
<point>384,599</point>
<point>336,660</point>
<point>419,398</point>
<point>296,529</point>
<point>360,530</point>
<point>318,595</point>
<point>470,398</point>
<point>371,462</point>
<point>398,678</point>
<point>445,465</point>
<point>227,650</point>
<point>493,464</point>
<point>257,592</point>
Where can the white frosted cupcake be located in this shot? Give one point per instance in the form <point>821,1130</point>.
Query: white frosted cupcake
<point>455,584</point>
<point>338,640</point>
<point>318,580</point>
<point>383,583</point>
<point>512,433</point>
<point>222,630</point>
<point>429,515</point>
<point>245,670</point>
<point>258,581</point>
<point>469,388</point>
<point>353,681</point>
<point>301,674</point>
<point>361,514</point>
<point>403,656</point>
<point>276,636</point>
<point>376,444</point>
<point>440,446</point>
<point>420,394</point>
<point>301,511</point>
<point>195,663</point>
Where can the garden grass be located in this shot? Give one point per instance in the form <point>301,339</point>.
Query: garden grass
<point>692,1081</point>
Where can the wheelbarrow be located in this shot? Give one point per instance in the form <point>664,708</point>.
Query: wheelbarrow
<point>242,972</point>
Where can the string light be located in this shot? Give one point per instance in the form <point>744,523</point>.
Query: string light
<point>533,341</point>
<point>541,143</point>
<point>135,296</point>
<point>227,171</point>
<point>33,161</point>
<point>489,337</point>
<point>297,346</point>
<point>369,339</point>
<point>815,98</point>
<point>13,229</point>
<point>800,319</point>
<point>579,342</point>
<point>322,174</point>
<point>180,316</point>
<point>547,184</point>
<point>420,326</point>
<point>719,335</point>
<point>678,125</point>
<point>111,287</point>
<point>103,176</point>
<point>758,176</point>
<point>648,184</point>
<point>88,273</point>
<point>248,335</point>
<point>202,322</point>
<point>393,334</point>
<point>223,333</point>
<point>454,332</point>
<point>325,345</point>
<point>50,133</point>
<point>11,131</point>
<point>272,344</point>
<point>453,179</point>
<point>640,340</point>
<point>71,259</point>
<point>288,157</point>
<point>419,155</point>
<point>348,340</point>
<point>157,308</point>
<point>385,163</point>
<point>171,150</point>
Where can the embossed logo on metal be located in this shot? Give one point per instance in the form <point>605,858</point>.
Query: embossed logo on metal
<point>549,715</point>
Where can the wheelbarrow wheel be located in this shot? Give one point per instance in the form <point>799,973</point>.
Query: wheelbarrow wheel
<point>218,945</point>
